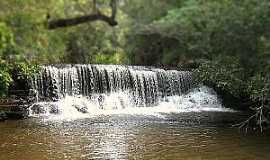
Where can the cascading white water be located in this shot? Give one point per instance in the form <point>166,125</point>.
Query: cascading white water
<point>75,91</point>
<point>146,86</point>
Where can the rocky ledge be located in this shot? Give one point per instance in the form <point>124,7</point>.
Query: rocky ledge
<point>12,109</point>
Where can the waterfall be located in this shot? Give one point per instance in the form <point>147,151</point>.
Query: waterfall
<point>145,85</point>
<point>70,90</point>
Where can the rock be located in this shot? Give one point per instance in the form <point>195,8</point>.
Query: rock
<point>101,99</point>
<point>3,116</point>
<point>15,115</point>
<point>37,109</point>
<point>192,100</point>
<point>54,109</point>
<point>18,112</point>
<point>82,109</point>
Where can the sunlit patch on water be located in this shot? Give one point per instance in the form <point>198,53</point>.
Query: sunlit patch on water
<point>77,107</point>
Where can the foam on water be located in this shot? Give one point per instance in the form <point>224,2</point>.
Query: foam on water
<point>118,103</point>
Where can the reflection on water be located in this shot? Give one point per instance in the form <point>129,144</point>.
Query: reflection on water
<point>187,136</point>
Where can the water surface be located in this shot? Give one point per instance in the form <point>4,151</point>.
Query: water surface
<point>187,136</point>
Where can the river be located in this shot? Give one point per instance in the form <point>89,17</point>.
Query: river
<point>181,136</point>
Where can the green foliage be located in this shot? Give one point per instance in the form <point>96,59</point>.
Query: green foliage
<point>26,70</point>
<point>225,73</point>
<point>143,12</point>
<point>33,41</point>
<point>117,58</point>
<point>94,47</point>
<point>21,71</point>
<point>259,88</point>
<point>6,41</point>
<point>5,79</point>
<point>203,29</point>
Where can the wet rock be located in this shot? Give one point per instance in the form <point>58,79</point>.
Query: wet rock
<point>54,109</point>
<point>3,116</point>
<point>206,101</point>
<point>101,99</point>
<point>37,109</point>
<point>18,112</point>
<point>16,115</point>
<point>82,109</point>
<point>192,100</point>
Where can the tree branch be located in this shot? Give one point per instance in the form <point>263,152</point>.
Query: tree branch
<point>114,8</point>
<point>59,23</point>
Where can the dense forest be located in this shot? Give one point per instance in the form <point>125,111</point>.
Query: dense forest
<point>225,42</point>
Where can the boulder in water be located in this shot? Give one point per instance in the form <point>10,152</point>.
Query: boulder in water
<point>54,109</point>
<point>37,109</point>
<point>82,109</point>
<point>192,100</point>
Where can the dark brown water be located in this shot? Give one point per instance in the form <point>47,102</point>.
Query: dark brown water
<point>183,136</point>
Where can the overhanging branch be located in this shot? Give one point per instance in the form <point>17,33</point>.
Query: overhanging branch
<point>59,23</point>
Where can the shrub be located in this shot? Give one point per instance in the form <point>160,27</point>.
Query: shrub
<point>224,73</point>
<point>5,79</point>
